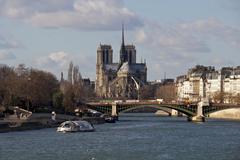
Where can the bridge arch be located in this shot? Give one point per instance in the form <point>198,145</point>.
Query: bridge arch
<point>166,110</point>
<point>182,109</point>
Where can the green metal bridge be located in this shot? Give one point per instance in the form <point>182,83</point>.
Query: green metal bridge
<point>194,112</point>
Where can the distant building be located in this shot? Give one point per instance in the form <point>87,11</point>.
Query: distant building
<point>217,86</point>
<point>231,86</point>
<point>213,84</point>
<point>192,86</point>
<point>119,80</point>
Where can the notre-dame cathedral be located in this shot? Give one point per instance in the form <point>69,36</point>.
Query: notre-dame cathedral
<point>119,80</point>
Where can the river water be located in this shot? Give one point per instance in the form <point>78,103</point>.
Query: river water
<point>134,137</point>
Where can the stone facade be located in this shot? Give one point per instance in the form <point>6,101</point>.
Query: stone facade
<point>119,80</point>
<point>193,86</point>
<point>217,86</point>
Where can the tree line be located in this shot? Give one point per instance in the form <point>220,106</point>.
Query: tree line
<point>225,97</point>
<point>41,91</point>
<point>38,90</point>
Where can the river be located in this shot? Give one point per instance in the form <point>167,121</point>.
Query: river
<point>134,137</point>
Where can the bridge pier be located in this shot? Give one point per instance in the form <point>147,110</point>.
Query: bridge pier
<point>196,119</point>
<point>114,111</point>
<point>174,112</point>
<point>199,117</point>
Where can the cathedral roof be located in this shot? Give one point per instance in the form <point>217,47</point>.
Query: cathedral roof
<point>138,67</point>
<point>132,68</point>
<point>125,68</point>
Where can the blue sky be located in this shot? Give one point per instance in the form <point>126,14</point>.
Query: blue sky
<point>171,35</point>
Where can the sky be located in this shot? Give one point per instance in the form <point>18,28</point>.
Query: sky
<point>172,35</point>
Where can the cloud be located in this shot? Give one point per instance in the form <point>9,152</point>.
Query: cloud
<point>4,55</point>
<point>186,39</point>
<point>7,43</point>
<point>213,28</point>
<point>54,60</point>
<point>57,62</point>
<point>170,44</point>
<point>77,14</point>
<point>185,44</point>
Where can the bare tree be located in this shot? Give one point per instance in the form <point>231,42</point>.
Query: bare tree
<point>68,100</point>
<point>29,88</point>
<point>218,97</point>
<point>237,98</point>
<point>70,72</point>
<point>147,92</point>
<point>167,92</point>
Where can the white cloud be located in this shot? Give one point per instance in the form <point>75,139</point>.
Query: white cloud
<point>213,28</point>
<point>4,55</point>
<point>185,44</point>
<point>141,36</point>
<point>78,14</point>
<point>57,62</point>
<point>59,57</point>
<point>186,40</point>
<point>54,60</point>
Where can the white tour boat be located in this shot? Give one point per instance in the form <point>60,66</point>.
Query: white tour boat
<point>75,126</point>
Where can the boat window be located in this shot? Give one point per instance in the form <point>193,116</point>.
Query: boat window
<point>67,126</point>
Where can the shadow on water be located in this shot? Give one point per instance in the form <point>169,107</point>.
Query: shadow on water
<point>150,119</point>
<point>141,115</point>
<point>219,120</point>
<point>155,120</point>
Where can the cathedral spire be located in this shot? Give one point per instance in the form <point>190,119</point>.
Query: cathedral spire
<point>123,34</point>
<point>123,55</point>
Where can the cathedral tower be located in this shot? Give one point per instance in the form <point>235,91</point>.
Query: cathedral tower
<point>104,54</point>
<point>104,57</point>
<point>127,52</point>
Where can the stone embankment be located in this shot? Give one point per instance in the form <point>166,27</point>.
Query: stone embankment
<point>233,114</point>
<point>227,114</point>
<point>161,113</point>
<point>39,121</point>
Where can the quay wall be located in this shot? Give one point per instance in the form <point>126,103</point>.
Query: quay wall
<point>227,114</point>
<point>40,121</point>
<point>161,113</point>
